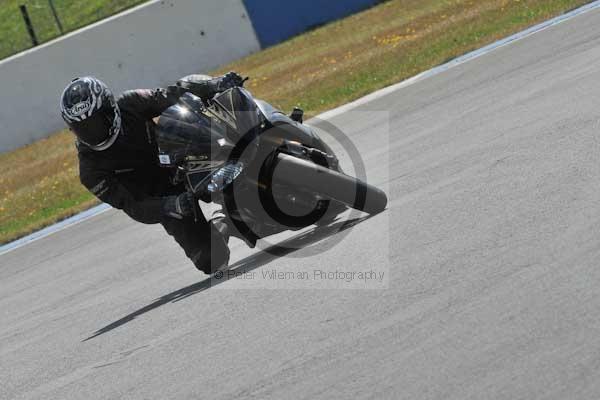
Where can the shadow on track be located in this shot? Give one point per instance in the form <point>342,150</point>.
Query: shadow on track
<point>247,264</point>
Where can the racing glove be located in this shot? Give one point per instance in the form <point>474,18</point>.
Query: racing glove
<point>229,80</point>
<point>205,89</point>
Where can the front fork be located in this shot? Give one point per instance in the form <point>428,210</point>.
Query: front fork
<point>319,157</point>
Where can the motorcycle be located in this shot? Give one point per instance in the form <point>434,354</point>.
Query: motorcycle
<point>270,172</point>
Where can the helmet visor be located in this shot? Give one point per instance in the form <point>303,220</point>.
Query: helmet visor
<point>96,129</point>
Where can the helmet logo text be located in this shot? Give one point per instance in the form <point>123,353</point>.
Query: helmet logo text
<point>79,109</point>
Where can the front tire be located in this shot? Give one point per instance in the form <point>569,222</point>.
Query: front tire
<point>329,183</point>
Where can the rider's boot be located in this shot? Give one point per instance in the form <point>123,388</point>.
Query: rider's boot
<point>222,225</point>
<point>219,244</point>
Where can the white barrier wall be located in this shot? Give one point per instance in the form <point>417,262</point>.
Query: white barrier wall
<point>148,46</point>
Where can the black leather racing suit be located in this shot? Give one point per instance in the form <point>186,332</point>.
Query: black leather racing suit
<point>127,176</point>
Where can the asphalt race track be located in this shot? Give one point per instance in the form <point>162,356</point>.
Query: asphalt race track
<point>490,250</point>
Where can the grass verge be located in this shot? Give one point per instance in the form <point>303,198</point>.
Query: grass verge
<point>318,70</point>
<point>72,14</point>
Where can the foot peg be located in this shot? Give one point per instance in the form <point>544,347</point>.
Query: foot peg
<point>297,114</point>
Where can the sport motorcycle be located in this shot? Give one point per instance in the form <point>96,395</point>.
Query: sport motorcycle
<point>269,172</point>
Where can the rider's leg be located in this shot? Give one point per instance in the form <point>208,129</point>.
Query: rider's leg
<point>201,241</point>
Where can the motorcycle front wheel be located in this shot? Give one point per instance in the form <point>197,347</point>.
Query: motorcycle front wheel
<point>328,183</point>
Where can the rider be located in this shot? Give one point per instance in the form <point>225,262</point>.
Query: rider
<point>118,161</point>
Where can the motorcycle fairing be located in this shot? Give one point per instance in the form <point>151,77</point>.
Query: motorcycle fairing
<point>289,129</point>
<point>236,108</point>
<point>186,133</point>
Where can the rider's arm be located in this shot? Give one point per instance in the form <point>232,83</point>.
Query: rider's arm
<point>108,189</point>
<point>150,103</point>
<point>147,103</point>
<point>206,89</point>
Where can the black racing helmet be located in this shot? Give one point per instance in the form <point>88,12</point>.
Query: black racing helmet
<point>90,110</point>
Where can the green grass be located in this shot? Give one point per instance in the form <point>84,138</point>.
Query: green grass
<point>319,70</point>
<point>73,14</point>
